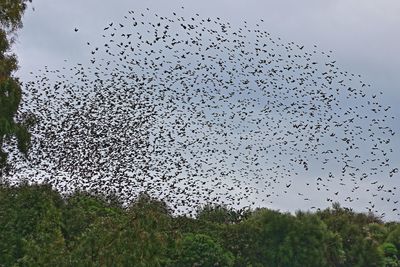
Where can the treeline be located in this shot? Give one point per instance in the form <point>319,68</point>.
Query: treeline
<point>40,228</point>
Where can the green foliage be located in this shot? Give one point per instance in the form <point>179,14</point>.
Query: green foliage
<point>390,251</point>
<point>394,237</point>
<point>81,211</point>
<point>360,235</point>
<point>306,243</point>
<point>30,226</point>
<point>39,228</point>
<point>201,250</point>
<point>11,12</point>
<point>220,214</point>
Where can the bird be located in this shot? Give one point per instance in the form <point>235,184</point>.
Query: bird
<point>195,110</point>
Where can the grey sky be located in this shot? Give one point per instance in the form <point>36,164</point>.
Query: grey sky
<point>364,35</point>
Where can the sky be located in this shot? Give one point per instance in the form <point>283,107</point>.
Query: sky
<point>363,35</point>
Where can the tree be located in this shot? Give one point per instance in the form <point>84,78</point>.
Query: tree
<point>259,239</point>
<point>81,211</point>
<point>40,228</point>
<point>394,238</point>
<point>30,226</point>
<point>11,12</point>
<point>360,236</point>
<point>310,243</point>
<point>201,250</point>
<point>390,252</point>
<point>221,214</point>
<point>111,236</point>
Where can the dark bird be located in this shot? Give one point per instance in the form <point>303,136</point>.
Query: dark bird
<point>196,110</point>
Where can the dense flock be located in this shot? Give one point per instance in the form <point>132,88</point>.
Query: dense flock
<point>195,110</point>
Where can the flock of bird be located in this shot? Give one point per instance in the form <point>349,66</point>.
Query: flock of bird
<point>194,110</point>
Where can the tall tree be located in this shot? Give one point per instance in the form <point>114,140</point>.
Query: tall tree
<point>11,12</point>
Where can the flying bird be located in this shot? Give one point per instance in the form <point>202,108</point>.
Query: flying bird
<point>196,110</point>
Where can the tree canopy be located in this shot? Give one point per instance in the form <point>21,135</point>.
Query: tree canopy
<point>38,227</point>
<point>11,12</point>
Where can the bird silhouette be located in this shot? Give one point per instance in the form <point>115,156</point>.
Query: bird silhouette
<point>194,110</point>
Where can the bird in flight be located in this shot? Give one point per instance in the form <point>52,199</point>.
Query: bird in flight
<point>195,110</point>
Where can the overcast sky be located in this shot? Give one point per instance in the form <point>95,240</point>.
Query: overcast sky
<point>364,35</point>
